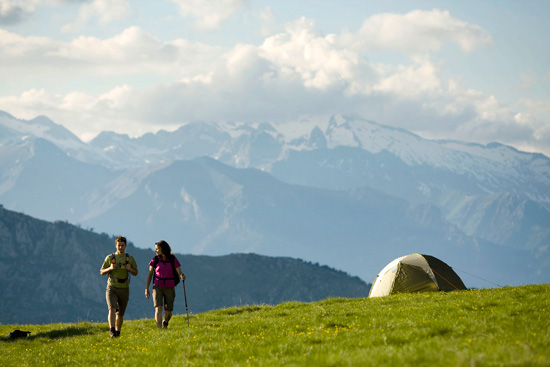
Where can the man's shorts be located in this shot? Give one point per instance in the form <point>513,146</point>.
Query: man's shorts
<point>117,298</point>
<point>164,296</point>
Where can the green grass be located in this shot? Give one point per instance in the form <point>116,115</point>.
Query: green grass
<point>487,327</point>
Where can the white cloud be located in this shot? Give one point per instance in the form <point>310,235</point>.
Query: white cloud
<point>410,81</point>
<point>76,101</point>
<point>209,14</point>
<point>85,115</point>
<point>106,11</point>
<point>418,32</point>
<point>242,61</point>
<point>301,53</point>
<point>17,11</point>
<point>129,47</point>
<point>318,61</point>
<point>267,18</point>
<point>12,12</point>
<point>17,49</point>
<point>536,114</point>
<point>117,98</point>
<point>128,53</point>
<point>537,106</point>
<point>470,115</point>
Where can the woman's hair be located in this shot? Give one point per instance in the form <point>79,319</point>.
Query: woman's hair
<point>120,239</point>
<point>165,247</point>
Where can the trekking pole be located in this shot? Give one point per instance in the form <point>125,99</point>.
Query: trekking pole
<point>185,296</point>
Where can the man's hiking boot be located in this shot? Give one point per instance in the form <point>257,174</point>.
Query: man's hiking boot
<point>165,324</point>
<point>113,333</point>
<point>117,333</point>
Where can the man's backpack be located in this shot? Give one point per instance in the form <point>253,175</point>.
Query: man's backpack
<point>175,276</point>
<point>113,260</point>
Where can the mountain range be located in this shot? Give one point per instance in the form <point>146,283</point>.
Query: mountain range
<point>348,193</point>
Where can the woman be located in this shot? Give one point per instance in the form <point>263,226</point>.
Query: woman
<point>165,270</point>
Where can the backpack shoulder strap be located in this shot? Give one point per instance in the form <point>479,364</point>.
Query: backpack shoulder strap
<point>155,264</point>
<point>127,262</point>
<point>113,261</point>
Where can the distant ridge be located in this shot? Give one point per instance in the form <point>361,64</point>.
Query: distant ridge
<point>49,273</point>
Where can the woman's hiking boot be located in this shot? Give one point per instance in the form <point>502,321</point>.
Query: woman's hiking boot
<point>165,324</point>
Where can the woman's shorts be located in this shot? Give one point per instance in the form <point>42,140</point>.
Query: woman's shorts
<point>164,296</point>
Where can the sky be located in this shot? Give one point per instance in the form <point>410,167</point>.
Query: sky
<point>474,71</point>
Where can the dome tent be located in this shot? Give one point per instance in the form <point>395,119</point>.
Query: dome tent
<point>415,273</point>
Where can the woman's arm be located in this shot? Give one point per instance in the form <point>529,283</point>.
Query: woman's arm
<point>181,275</point>
<point>148,282</point>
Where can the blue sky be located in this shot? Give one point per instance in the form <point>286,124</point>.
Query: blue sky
<point>467,70</point>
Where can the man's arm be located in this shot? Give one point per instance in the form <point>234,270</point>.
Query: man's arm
<point>132,271</point>
<point>104,271</point>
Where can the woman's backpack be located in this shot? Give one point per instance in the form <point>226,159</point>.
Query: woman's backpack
<point>174,276</point>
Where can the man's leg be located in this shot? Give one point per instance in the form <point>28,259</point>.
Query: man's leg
<point>112,302</point>
<point>112,318</point>
<point>123,297</point>
<point>112,322</point>
<point>119,321</point>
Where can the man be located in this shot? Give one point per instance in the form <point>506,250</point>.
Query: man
<point>119,266</point>
<point>165,269</point>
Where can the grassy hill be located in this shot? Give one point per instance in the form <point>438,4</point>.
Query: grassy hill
<point>487,327</point>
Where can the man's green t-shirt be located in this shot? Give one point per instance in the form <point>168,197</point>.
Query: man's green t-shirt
<point>119,277</point>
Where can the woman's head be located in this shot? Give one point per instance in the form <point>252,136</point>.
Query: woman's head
<point>163,248</point>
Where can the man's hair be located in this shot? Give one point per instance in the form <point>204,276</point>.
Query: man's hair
<point>165,247</point>
<point>120,239</point>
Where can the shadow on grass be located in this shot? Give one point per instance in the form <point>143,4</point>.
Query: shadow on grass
<point>60,333</point>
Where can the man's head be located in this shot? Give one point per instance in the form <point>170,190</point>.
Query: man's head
<point>120,244</point>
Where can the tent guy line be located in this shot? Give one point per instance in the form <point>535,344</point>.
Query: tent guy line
<point>488,281</point>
